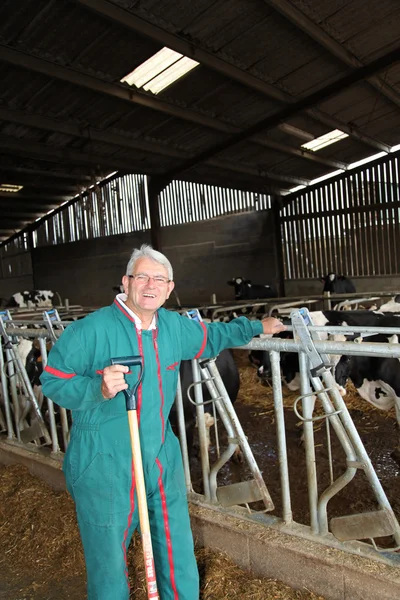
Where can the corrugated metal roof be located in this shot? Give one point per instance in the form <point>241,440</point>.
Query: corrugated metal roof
<point>64,112</point>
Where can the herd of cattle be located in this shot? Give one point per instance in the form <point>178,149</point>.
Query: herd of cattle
<point>377,380</point>
<point>29,299</point>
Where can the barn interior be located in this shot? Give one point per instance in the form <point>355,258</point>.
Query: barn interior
<point>257,139</point>
<point>101,150</point>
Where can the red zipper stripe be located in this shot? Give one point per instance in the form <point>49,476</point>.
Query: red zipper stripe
<point>167,531</point>
<point>159,383</point>
<point>58,373</point>
<point>139,392</point>
<point>121,308</point>
<point>200,352</point>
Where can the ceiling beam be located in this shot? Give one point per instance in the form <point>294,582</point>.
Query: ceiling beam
<point>301,153</point>
<point>27,208</point>
<point>42,173</point>
<point>5,234</point>
<point>40,122</point>
<point>305,24</point>
<point>256,172</point>
<point>16,222</point>
<point>57,187</point>
<point>122,92</point>
<point>285,113</point>
<point>31,215</point>
<point>88,133</point>
<point>35,149</point>
<point>21,195</point>
<point>211,176</point>
<point>132,22</point>
<point>131,95</point>
<point>63,155</point>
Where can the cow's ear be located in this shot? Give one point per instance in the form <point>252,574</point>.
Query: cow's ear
<point>231,282</point>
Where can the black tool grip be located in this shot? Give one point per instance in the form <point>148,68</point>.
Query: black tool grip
<point>127,361</point>
<point>130,361</point>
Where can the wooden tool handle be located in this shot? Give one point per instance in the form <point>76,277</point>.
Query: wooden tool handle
<point>152,592</point>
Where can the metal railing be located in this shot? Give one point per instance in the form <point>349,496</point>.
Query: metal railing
<point>247,492</point>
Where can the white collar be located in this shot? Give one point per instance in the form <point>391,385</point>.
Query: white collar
<point>121,298</point>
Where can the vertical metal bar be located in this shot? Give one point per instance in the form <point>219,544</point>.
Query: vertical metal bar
<point>360,452</point>
<point>53,429</point>
<point>205,462</point>
<point>6,398</point>
<point>281,436</point>
<point>182,436</point>
<point>309,447</point>
<point>14,393</point>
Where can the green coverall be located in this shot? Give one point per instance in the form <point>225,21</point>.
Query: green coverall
<point>98,462</point>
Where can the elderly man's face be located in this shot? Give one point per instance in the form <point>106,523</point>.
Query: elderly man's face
<point>145,297</point>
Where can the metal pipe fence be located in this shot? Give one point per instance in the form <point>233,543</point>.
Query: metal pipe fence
<point>15,418</point>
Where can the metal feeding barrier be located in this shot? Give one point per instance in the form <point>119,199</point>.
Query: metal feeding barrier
<point>28,418</point>
<point>54,325</point>
<point>21,417</point>
<point>368,525</point>
<point>206,372</point>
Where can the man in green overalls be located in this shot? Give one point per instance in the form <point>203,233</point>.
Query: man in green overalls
<point>98,463</point>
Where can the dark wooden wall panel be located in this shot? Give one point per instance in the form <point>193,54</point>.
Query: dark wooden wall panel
<point>204,256</point>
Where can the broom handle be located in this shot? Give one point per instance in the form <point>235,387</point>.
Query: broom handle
<point>152,592</point>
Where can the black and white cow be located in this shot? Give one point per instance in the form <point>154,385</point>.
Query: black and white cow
<point>31,299</point>
<point>376,379</point>
<point>245,290</point>
<point>290,361</point>
<point>337,284</point>
<point>230,376</point>
<point>392,306</point>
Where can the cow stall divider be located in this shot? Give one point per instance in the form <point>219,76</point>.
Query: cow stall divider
<point>336,416</point>
<point>24,412</point>
<point>28,417</point>
<point>54,324</point>
<point>369,525</point>
<point>206,372</point>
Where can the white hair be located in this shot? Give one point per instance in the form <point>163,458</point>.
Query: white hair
<point>146,251</point>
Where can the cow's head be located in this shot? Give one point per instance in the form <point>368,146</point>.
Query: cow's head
<point>236,281</point>
<point>239,283</point>
<point>329,277</point>
<point>342,370</point>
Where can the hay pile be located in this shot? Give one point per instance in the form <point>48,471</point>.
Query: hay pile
<point>41,547</point>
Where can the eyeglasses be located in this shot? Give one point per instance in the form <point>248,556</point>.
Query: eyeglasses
<point>144,278</point>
